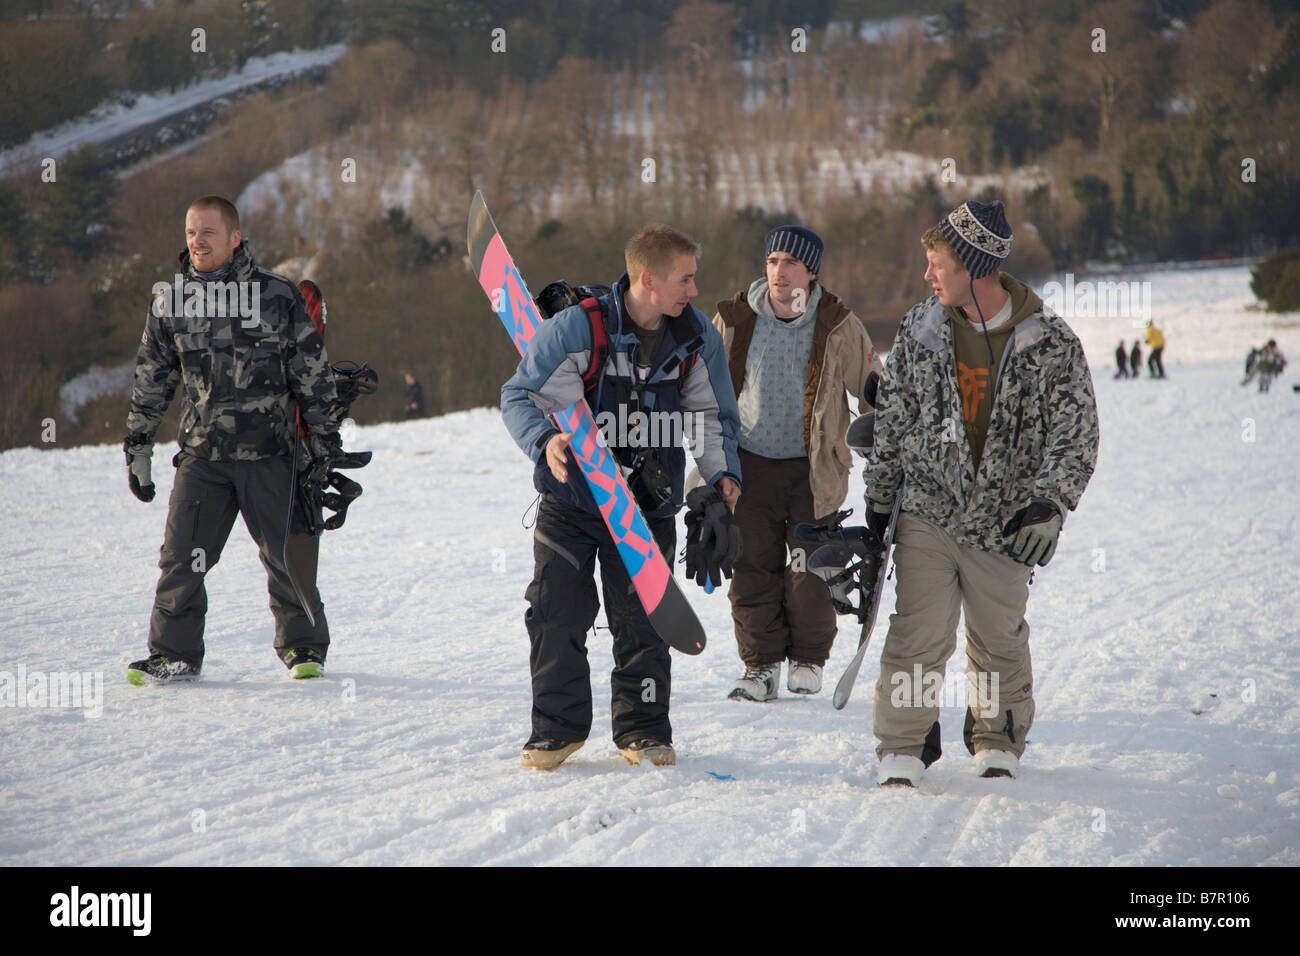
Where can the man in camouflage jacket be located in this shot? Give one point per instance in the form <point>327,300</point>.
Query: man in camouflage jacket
<point>986,426</point>
<point>239,342</point>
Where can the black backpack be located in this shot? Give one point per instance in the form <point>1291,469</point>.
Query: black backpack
<point>560,295</point>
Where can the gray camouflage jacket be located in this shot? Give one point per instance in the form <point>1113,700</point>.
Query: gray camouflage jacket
<point>1042,439</point>
<point>245,365</point>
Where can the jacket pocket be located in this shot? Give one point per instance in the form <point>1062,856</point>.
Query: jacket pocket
<point>259,362</point>
<point>194,345</point>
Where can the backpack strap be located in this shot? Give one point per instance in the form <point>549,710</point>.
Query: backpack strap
<point>683,332</point>
<point>599,342</point>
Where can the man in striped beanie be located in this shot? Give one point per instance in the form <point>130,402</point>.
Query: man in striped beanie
<point>986,426</point>
<point>795,352</point>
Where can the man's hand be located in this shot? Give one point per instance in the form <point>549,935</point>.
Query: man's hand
<point>139,467</point>
<point>1036,527</point>
<point>555,460</point>
<point>712,539</point>
<point>878,518</point>
<point>730,492</point>
<point>325,446</point>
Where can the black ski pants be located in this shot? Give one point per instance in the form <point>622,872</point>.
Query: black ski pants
<point>562,607</point>
<point>1154,365</point>
<point>206,497</point>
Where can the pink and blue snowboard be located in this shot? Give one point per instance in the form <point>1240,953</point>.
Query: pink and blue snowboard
<point>666,606</point>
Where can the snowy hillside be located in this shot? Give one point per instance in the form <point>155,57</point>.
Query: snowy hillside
<point>129,112</point>
<point>1164,642</point>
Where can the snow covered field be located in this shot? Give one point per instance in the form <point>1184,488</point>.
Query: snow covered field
<point>1165,643</point>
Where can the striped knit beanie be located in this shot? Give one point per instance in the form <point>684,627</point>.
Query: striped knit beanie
<point>980,236</point>
<point>803,244</point>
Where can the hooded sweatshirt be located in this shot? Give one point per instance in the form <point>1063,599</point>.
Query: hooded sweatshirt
<point>976,372</point>
<point>771,399</point>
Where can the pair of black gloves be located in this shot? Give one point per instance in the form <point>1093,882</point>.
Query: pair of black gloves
<point>712,538</point>
<point>325,448</point>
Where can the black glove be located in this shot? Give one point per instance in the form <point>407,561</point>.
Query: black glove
<point>139,467</point>
<point>325,446</point>
<point>870,389</point>
<point>712,538</point>
<point>878,521</point>
<point>1036,527</point>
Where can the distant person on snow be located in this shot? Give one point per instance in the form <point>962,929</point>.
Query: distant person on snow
<point>1252,365</point>
<point>1121,361</point>
<point>414,397</point>
<point>795,352</point>
<point>1270,362</point>
<point>663,357</point>
<point>981,504</point>
<point>241,378</point>
<point>1135,358</point>
<point>1156,342</point>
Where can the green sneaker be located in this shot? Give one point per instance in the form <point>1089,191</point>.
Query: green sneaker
<point>157,669</point>
<point>303,663</point>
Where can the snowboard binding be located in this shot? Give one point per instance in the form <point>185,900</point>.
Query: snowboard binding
<point>351,381</point>
<point>321,487</point>
<point>848,562</point>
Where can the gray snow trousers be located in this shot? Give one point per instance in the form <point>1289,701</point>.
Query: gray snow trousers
<point>206,497</point>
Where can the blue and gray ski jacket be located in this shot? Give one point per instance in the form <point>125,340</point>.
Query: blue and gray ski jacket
<point>549,379</point>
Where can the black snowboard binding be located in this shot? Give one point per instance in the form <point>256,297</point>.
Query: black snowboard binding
<point>848,561</point>
<point>320,486</point>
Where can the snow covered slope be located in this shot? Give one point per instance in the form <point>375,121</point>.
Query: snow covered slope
<point>1164,639</point>
<point>112,118</point>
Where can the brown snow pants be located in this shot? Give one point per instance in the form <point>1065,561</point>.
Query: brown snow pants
<point>778,612</point>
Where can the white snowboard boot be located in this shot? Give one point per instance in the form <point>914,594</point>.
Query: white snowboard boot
<point>899,770</point>
<point>760,683</point>
<point>997,763</point>
<point>804,678</point>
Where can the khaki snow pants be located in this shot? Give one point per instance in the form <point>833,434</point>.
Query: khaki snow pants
<point>937,578</point>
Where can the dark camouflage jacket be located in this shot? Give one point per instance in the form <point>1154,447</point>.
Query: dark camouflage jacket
<point>242,371</point>
<point>1042,438</point>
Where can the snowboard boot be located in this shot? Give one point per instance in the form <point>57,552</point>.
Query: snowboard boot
<point>804,678</point>
<point>997,763</point>
<point>303,662</point>
<point>157,669</point>
<point>546,754</point>
<point>899,770</point>
<point>760,683</point>
<point>648,748</point>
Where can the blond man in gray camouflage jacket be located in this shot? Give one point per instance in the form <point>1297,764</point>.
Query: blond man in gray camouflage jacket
<point>239,343</point>
<point>986,426</point>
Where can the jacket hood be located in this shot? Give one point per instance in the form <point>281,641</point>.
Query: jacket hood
<point>758,301</point>
<point>1024,303</point>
